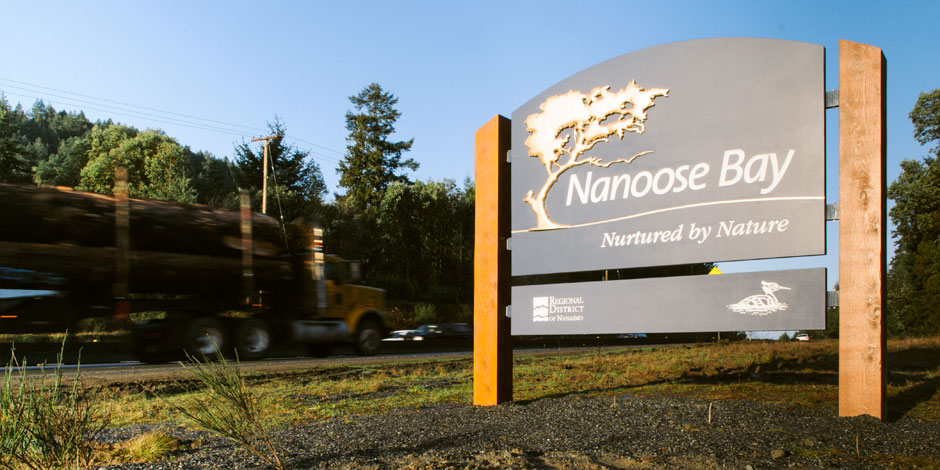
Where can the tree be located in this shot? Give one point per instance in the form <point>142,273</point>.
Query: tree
<point>372,162</point>
<point>64,167</point>
<point>427,237</point>
<point>295,183</point>
<point>14,167</point>
<point>213,179</point>
<point>914,277</point>
<point>573,123</point>
<point>926,119</point>
<point>156,166</point>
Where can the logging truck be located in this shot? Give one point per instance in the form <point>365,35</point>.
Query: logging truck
<point>225,279</point>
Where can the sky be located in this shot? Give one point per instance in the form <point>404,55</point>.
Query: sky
<point>212,73</point>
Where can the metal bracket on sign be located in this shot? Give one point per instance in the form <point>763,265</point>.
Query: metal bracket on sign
<point>832,99</point>
<point>509,311</point>
<point>832,298</point>
<point>832,211</point>
<point>509,244</point>
<point>509,156</point>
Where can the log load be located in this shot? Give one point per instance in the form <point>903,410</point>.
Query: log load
<point>61,216</point>
<point>59,239</point>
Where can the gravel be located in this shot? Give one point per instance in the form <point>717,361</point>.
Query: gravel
<point>576,432</point>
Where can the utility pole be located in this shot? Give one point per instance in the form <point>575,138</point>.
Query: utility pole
<point>264,173</point>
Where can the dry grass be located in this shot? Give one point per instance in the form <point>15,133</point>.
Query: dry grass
<point>147,447</point>
<point>770,371</point>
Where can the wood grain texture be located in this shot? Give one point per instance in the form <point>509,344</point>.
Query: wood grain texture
<point>492,343</point>
<point>862,230</point>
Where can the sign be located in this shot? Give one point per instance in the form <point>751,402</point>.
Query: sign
<point>697,151</point>
<point>773,300</point>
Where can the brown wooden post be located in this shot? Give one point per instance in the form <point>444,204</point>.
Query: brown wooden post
<point>862,230</point>
<point>122,239</point>
<point>492,343</point>
<point>248,270</point>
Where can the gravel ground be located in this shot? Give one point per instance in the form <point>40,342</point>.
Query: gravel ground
<point>577,432</point>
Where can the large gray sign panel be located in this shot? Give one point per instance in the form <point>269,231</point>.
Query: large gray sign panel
<point>697,151</point>
<point>773,300</point>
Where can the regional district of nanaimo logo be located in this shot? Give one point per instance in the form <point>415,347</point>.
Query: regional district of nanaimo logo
<point>539,309</point>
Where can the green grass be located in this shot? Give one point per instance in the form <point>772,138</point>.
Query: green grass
<point>46,421</point>
<point>776,372</point>
<point>786,372</point>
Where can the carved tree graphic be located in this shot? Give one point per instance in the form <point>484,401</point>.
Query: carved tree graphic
<point>572,124</point>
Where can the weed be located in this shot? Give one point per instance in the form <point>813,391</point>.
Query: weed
<point>44,423</point>
<point>425,313</point>
<point>147,447</point>
<point>229,408</point>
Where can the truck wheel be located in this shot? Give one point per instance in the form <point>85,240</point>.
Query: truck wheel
<point>369,338</point>
<point>252,339</point>
<point>203,337</point>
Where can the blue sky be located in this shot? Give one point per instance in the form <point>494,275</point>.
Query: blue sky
<point>233,65</point>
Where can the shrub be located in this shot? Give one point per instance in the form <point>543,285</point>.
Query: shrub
<point>425,313</point>
<point>400,318</point>
<point>46,426</point>
<point>231,409</point>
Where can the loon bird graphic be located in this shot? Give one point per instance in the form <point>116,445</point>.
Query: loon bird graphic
<point>761,304</point>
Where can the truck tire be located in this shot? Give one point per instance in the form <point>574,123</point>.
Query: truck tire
<point>204,337</point>
<point>252,339</point>
<point>368,338</point>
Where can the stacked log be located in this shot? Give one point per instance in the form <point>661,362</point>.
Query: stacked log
<point>60,216</point>
<point>56,238</point>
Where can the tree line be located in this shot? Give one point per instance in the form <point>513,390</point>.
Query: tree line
<point>414,238</point>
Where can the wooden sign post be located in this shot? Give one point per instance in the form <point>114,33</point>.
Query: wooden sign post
<point>862,231</point>
<point>492,343</point>
<point>862,239</point>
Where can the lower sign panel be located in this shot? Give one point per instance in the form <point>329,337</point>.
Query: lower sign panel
<point>770,300</point>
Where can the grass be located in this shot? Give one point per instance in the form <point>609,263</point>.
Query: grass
<point>146,447</point>
<point>45,422</point>
<point>780,372</point>
<point>229,408</point>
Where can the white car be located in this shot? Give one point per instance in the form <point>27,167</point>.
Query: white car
<point>400,335</point>
<point>802,337</point>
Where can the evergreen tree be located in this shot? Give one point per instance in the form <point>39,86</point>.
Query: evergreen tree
<point>293,178</point>
<point>213,179</point>
<point>914,277</point>
<point>64,167</point>
<point>14,167</point>
<point>372,162</point>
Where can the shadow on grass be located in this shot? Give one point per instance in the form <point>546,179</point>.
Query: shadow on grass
<point>915,370</point>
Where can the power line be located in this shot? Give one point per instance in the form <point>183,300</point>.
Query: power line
<point>167,120</point>
<point>130,114</point>
<point>71,101</point>
<point>127,104</point>
<point>316,145</point>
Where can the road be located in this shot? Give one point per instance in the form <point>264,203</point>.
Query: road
<point>132,371</point>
